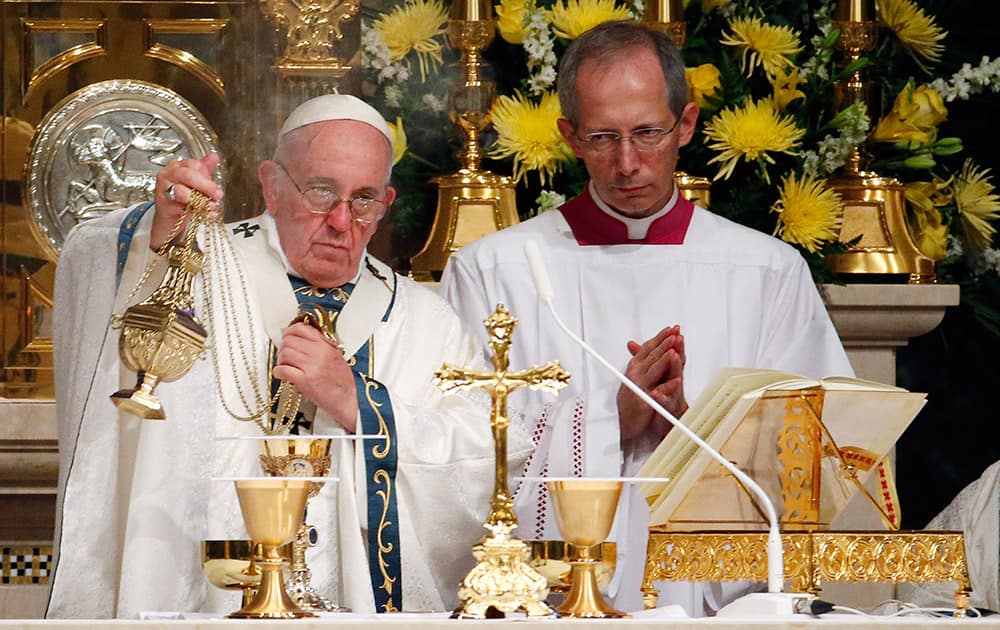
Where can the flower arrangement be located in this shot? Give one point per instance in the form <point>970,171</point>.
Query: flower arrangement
<point>763,73</point>
<point>770,133</point>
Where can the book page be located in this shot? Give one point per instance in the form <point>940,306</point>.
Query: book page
<point>703,417</point>
<point>742,418</point>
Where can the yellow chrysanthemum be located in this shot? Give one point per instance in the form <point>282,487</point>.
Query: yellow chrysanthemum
<point>510,20</point>
<point>750,132</point>
<point>703,81</point>
<point>809,213</point>
<point>977,204</point>
<point>929,232</point>
<point>528,133</point>
<point>573,18</point>
<point>762,44</point>
<point>413,26</point>
<point>915,29</point>
<point>398,140</point>
<point>785,83</point>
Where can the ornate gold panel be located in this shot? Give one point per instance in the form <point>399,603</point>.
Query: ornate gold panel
<point>50,48</point>
<point>810,559</point>
<point>189,44</point>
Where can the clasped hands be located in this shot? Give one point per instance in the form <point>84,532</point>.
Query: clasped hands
<point>656,366</point>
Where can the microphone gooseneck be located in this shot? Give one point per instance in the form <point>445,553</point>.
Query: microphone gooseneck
<point>775,555</point>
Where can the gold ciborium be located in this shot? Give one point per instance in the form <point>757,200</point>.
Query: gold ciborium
<point>551,558</point>
<point>301,457</point>
<point>229,565</point>
<point>585,511</point>
<point>272,510</point>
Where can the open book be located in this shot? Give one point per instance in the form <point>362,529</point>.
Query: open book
<point>766,423</point>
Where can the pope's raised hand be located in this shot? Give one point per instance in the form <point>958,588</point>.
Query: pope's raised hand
<point>174,184</point>
<point>318,369</point>
<point>656,366</point>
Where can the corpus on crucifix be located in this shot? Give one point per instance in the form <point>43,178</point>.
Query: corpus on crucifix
<point>502,579</point>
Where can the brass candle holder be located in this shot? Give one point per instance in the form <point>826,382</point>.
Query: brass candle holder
<point>874,206</point>
<point>272,510</point>
<point>585,511</point>
<point>472,202</point>
<point>667,16</point>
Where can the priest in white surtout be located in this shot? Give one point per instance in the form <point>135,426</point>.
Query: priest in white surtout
<point>138,496</point>
<point>665,290</point>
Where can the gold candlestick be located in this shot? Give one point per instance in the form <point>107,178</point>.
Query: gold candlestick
<point>472,202</point>
<point>667,16</point>
<point>874,206</point>
<point>502,579</point>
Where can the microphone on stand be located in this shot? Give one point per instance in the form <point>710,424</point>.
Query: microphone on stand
<point>775,601</point>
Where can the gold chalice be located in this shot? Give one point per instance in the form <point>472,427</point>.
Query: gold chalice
<point>552,558</point>
<point>304,456</point>
<point>585,511</point>
<point>272,510</point>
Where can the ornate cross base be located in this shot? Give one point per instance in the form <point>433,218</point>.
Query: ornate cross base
<point>810,558</point>
<point>502,580</point>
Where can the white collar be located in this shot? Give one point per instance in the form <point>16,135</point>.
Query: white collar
<point>637,228</point>
<point>271,230</point>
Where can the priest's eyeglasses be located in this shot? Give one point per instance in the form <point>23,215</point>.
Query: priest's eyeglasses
<point>323,199</point>
<point>645,139</point>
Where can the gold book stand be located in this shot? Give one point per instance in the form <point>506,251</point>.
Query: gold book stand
<point>692,547</point>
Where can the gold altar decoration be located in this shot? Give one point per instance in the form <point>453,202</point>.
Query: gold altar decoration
<point>693,188</point>
<point>160,337</point>
<point>667,16</point>
<point>502,579</point>
<point>874,206</point>
<point>300,457</point>
<point>810,558</point>
<point>472,202</point>
<point>812,552</point>
<point>272,510</point>
<point>585,510</point>
<point>313,62</point>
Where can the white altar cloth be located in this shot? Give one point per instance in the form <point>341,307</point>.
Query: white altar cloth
<point>439,622</point>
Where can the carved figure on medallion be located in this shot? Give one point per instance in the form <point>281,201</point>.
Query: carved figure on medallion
<point>99,150</point>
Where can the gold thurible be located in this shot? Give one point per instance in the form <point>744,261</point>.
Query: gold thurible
<point>161,337</point>
<point>472,202</point>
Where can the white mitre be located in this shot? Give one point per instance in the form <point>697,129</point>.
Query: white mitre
<point>336,107</point>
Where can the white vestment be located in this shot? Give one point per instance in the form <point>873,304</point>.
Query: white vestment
<point>742,299</point>
<point>137,496</point>
<point>975,512</point>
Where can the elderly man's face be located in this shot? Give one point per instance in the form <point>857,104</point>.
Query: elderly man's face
<point>349,158</point>
<point>622,96</point>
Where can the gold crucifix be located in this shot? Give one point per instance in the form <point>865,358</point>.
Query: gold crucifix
<point>502,579</point>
